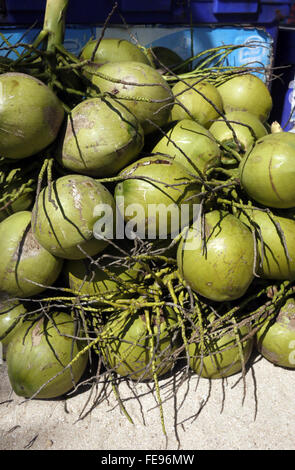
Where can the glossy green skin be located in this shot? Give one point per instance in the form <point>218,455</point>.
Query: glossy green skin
<point>91,280</point>
<point>127,348</point>
<point>217,361</point>
<point>276,264</point>
<point>23,259</point>
<point>225,271</point>
<point>62,225</point>
<point>189,139</point>
<point>275,340</point>
<point>197,105</point>
<point>10,314</point>
<point>36,357</point>
<point>135,189</point>
<point>31,115</point>
<point>112,49</point>
<point>246,92</point>
<point>101,138</point>
<point>146,102</point>
<point>267,173</point>
<point>221,131</point>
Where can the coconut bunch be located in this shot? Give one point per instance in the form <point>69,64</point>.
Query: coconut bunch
<point>148,215</point>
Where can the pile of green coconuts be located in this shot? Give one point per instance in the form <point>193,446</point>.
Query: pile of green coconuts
<point>120,122</point>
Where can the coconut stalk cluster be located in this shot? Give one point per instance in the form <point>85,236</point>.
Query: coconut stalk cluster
<point>147,214</point>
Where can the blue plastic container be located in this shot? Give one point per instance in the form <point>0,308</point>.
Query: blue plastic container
<point>170,23</point>
<point>257,50</point>
<point>255,12</point>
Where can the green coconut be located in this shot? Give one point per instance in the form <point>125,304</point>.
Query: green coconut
<point>275,244</point>
<point>128,348</point>
<point>141,89</point>
<point>246,92</point>
<point>197,100</point>
<point>31,115</point>
<point>158,196</point>
<point>239,130</point>
<point>26,267</point>
<point>267,172</point>
<point>63,224</point>
<point>12,314</point>
<point>38,356</point>
<point>104,279</point>
<point>101,138</point>
<point>190,144</point>
<point>110,50</point>
<point>275,339</point>
<point>221,355</point>
<point>217,260</point>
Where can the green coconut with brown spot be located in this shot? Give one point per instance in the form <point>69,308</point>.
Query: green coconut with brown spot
<point>128,347</point>
<point>141,89</point>
<point>26,267</point>
<point>157,195</point>
<point>38,356</point>
<point>31,115</point>
<point>190,144</point>
<point>101,138</point>
<point>275,339</point>
<point>196,100</point>
<point>63,223</point>
<point>217,259</point>
<point>267,172</point>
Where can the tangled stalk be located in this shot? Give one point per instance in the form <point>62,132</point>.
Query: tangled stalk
<point>161,285</point>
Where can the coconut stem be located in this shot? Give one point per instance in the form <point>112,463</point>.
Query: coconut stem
<point>54,22</point>
<point>275,128</point>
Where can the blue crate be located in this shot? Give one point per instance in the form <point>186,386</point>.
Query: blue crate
<point>182,39</point>
<point>266,13</point>
<point>76,36</point>
<point>161,22</point>
<point>152,12</point>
